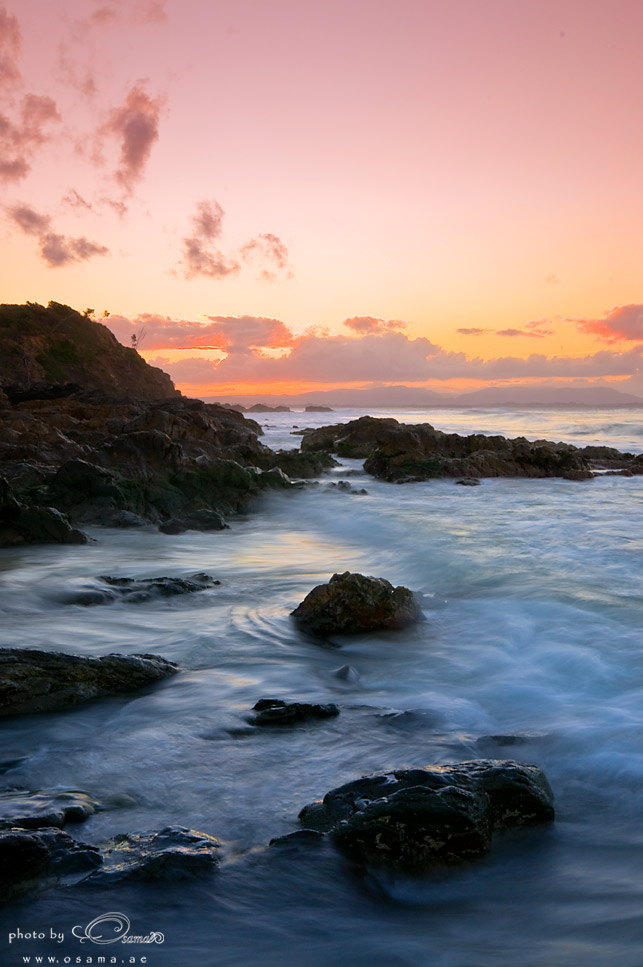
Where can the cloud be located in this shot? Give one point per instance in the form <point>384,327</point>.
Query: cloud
<point>55,249</point>
<point>208,220</point>
<point>21,138</point>
<point>76,201</point>
<point>10,46</point>
<point>249,344</point>
<point>231,334</point>
<point>622,323</point>
<point>364,324</point>
<point>200,256</point>
<point>135,125</point>
<point>534,334</point>
<point>472,332</point>
<point>269,252</point>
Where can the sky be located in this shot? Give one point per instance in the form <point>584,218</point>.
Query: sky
<point>275,196</point>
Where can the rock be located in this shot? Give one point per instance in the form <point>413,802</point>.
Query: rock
<point>579,475</point>
<point>264,408</point>
<point>469,482</point>
<point>318,409</point>
<point>46,681</point>
<point>414,819</point>
<point>20,524</point>
<point>403,453</point>
<point>34,859</point>
<point>137,590</point>
<point>300,838</point>
<point>353,603</point>
<point>200,520</point>
<point>273,711</point>
<point>174,853</point>
<point>51,807</point>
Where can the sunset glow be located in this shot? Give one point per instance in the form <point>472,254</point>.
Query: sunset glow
<point>350,193</point>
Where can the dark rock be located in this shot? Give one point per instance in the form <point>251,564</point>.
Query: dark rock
<point>174,853</point>
<point>264,408</point>
<point>200,520</point>
<point>300,838</point>
<point>20,524</point>
<point>273,711</point>
<point>318,409</point>
<point>46,681</point>
<point>579,475</point>
<point>469,482</point>
<point>137,590</point>
<point>54,807</point>
<point>402,453</point>
<point>35,859</point>
<point>352,603</point>
<point>414,819</point>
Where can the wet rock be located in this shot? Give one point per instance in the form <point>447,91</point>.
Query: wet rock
<point>54,807</point>
<point>46,681</point>
<point>403,453</point>
<point>579,475</point>
<point>469,482</point>
<point>173,853</point>
<point>300,838</point>
<point>274,711</point>
<point>414,819</point>
<point>200,520</point>
<point>35,859</point>
<point>138,590</point>
<point>353,603</point>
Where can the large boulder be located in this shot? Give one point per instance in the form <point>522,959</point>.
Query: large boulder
<point>415,819</point>
<point>352,603</point>
<point>46,681</point>
<point>20,524</point>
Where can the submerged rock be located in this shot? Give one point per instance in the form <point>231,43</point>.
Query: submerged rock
<point>274,711</point>
<point>52,807</point>
<point>34,859</point>
<point>47,681</point>
<point>352,603</point>
<point>137,590</point>
<point>414,819</point>
<point>173,853</point>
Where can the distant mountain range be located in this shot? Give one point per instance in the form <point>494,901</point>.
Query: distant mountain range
<point>380,397</point>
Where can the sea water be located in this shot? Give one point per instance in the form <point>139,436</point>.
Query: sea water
<point>531,649</point>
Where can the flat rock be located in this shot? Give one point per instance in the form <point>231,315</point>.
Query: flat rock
<point>45,681</point>
<point>49,807</point>
<point>274,711</point>
<point>353,603</point>
<point>137,590</point>
<point>415,819</point>
<point>173,853</point>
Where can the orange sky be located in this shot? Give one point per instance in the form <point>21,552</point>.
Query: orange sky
<point>470,171</point>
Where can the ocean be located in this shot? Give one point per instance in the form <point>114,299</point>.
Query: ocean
<point>531,649</point>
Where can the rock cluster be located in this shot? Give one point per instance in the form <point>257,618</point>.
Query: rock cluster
<point>401,453</point>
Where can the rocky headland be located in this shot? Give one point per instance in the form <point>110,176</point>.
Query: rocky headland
<point>402,453</point>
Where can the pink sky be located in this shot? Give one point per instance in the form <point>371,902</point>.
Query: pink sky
<point>464,175</point>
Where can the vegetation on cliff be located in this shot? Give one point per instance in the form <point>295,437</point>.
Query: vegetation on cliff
<point>56,344</point>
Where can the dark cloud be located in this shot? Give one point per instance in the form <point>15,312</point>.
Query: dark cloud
<point>56,250</point>
<point>208,220</point>
<point>622,323</point>
<point>21,138</point>
<point>135,125</point>
<point>29,220</point>
<point>364,324</point>
<point>10,45</point>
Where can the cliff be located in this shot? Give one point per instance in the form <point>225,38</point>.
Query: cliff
<point>59,345</point>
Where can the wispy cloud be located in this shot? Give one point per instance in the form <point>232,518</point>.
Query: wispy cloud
<point>56,250</point>
<point>135,126</point>
<point>364,324</point>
